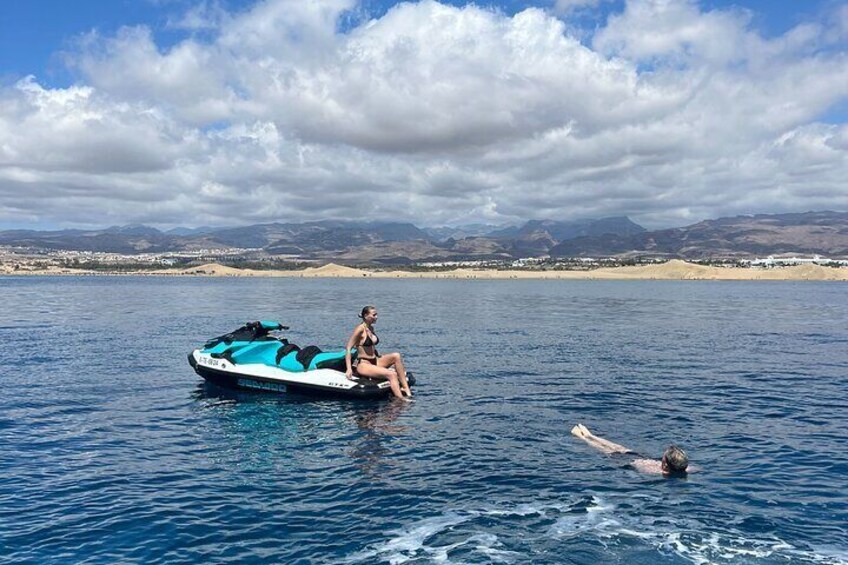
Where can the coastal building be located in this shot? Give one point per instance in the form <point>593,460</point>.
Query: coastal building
<point>772,261</point>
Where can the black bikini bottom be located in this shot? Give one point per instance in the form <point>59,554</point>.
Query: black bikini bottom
<point>371,360</point>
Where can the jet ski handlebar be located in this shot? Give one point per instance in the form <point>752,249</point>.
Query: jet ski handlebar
<point>268,325</point>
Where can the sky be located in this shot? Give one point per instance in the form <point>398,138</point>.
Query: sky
<point>234,112</point>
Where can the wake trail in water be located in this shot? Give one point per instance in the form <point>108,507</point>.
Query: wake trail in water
<point>545,532</point>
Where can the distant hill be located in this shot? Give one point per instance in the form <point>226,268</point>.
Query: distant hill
<point>538,237</point>
<point>297,239</point>
<point>389,242</point>
<point>191,231</point>
<point>112,240</point>
<point>312,237</point>
<point>394,243</point>
<point>460,232</point>
<point>824,233</point>
<point>562,230</point>
<point>134,230</point>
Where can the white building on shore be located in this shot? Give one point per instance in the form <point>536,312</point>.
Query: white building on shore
<point>772,261</point>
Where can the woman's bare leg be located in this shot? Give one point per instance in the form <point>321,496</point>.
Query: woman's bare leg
<point>394,359</point>
<point>369,370</point>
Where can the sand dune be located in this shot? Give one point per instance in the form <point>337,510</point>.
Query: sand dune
<point>213,270</point>
<point>681,270</point>
<point>331,270</point>
<point>217,270</point>
<point>671,270</point>
<point>674,269</point>
<point>46,270</point>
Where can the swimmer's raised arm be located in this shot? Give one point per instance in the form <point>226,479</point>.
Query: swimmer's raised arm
<point>604,445</point>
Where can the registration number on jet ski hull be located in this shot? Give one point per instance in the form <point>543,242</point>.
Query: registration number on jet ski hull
<point>208,361</point>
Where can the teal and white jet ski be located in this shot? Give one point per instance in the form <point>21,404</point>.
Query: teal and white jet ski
<point>251,357</point>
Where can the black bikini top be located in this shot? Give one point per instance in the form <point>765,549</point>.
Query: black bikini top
<point>368,342</point>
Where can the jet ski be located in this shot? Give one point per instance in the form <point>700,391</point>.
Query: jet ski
<point>253,358</point>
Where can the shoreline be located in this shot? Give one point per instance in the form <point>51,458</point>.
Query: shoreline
<point>671,270</point>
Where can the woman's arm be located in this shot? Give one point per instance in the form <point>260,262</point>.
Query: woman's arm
<point>355,339</point>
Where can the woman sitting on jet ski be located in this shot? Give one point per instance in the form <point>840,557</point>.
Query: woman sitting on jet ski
<point>368,362</point>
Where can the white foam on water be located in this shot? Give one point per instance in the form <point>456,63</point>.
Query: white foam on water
<point>412,546</point>
<point>713,548</point>
<point>411,542</point>
<point>486,544</point>
<point>408,542</point>
<point>495,554</point>
<point>599,505</point>
<point>594,518</point>
<point>599,520</point>
<point>523,510</point>
<point>837,555</point>
<point>687,541</point>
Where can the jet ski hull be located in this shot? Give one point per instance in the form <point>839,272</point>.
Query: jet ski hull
<point>264,378</point>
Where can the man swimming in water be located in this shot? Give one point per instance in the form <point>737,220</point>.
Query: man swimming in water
<point>674,462</point>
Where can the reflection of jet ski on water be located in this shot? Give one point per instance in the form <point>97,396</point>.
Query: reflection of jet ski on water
<point>251,358</point>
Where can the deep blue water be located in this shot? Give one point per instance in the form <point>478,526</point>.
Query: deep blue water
<point>113,450</point>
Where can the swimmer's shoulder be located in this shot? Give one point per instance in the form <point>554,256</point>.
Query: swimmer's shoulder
<point>650,466</point>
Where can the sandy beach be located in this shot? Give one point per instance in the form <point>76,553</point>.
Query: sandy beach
<point>671,270</point>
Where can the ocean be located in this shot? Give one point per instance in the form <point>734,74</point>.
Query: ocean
<point>114,451</point>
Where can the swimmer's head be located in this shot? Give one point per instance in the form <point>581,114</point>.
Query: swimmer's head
<point>674,461</point>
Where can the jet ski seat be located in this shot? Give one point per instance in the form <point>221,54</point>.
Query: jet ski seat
<point>307,354</point>
<point>277,353</point>
<point>284,350</point>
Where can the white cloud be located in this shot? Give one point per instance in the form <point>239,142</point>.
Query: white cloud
<point>78,131</point>
<point>674,29</point>
<point>191,80</point>
<point>432,114</point>
<point>204,16</point>
<point>570,6</point>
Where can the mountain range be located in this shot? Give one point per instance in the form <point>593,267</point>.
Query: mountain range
<point>809,233</point>
<point>824,233</point>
